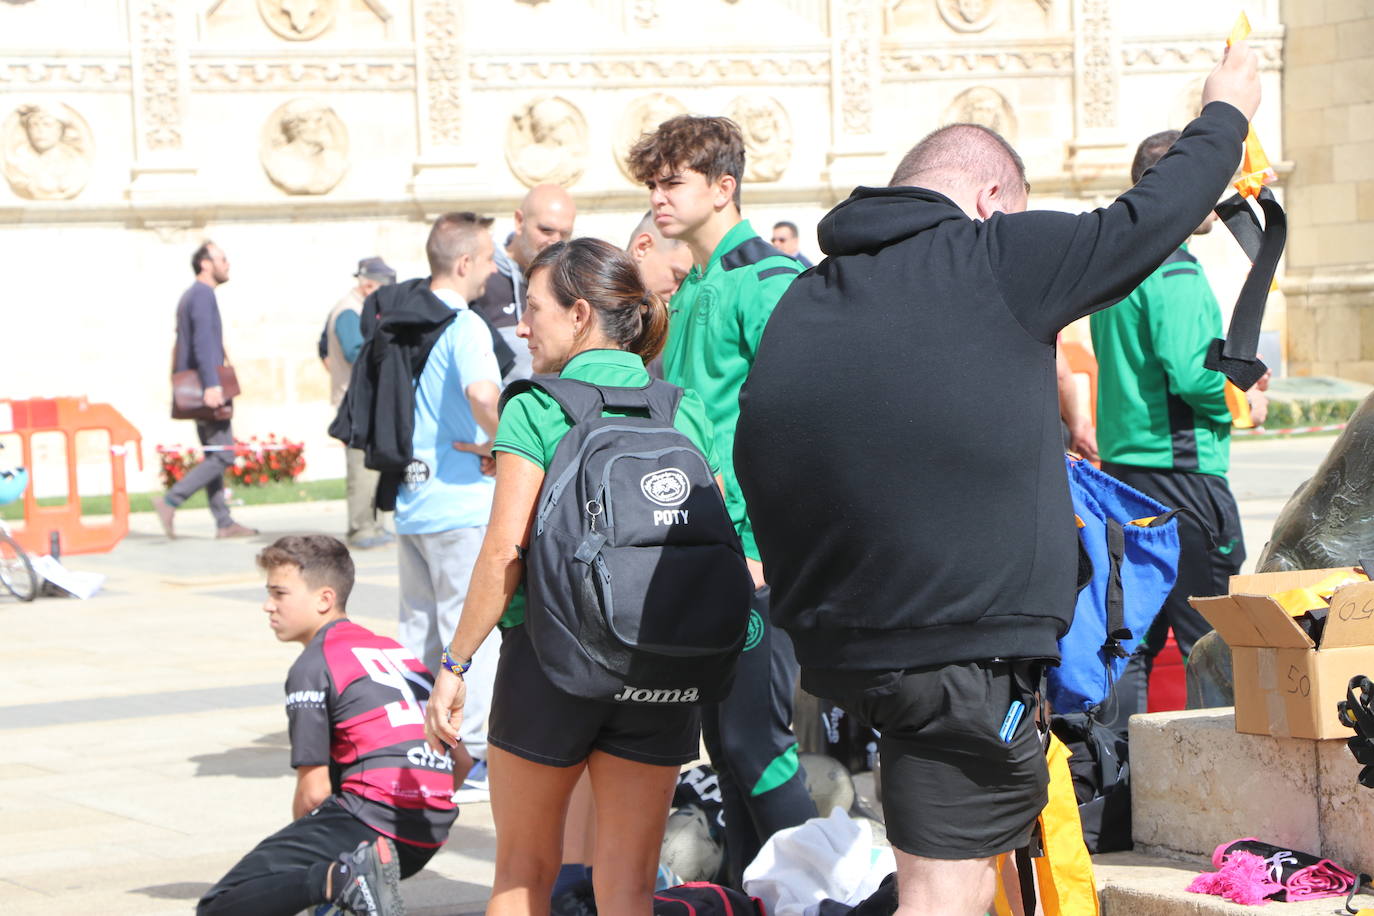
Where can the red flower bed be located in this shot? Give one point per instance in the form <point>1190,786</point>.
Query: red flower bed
<point>256,462</point>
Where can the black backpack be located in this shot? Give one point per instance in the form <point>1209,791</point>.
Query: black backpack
<point>637,588</point>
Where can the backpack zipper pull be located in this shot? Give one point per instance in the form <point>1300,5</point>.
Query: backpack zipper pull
<point>593,510</point>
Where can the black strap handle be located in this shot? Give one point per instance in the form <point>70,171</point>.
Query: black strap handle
<point>1117,631</point>
<point>1237,356</point>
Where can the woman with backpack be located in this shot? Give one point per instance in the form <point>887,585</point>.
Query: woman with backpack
<point>587,317</point>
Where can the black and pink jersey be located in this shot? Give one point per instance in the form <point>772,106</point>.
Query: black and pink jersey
<point>355,702</point>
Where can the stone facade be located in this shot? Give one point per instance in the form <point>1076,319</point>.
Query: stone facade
<point>302,135</point>
<point>1328,107</point>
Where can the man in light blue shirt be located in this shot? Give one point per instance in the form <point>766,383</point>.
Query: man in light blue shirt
<point>444,502</point>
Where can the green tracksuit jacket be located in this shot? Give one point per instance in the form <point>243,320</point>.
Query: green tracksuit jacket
<point>716,320</point>
<point>1157,407</point>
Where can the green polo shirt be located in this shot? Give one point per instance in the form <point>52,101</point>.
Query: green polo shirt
<point>1157,406</point>
<point>532,423</point>
<point>716,320</point>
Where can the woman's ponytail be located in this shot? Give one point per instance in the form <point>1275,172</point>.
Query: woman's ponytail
<point>653,331</point>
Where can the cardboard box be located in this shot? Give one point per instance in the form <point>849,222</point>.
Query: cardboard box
<point>1287,686</point>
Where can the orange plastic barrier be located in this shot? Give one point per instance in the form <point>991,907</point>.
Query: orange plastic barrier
<point>70,416</point>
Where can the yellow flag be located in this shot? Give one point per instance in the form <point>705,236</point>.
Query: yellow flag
<point>1255,170</point>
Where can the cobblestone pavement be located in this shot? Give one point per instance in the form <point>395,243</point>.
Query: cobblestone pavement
<point>142,741</point>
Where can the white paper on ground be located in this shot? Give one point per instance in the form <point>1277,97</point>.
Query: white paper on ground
<point>76,584</point>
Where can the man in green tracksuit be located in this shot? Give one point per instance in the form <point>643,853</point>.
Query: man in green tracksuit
<point>1163,427</point>
<point>692,167</point>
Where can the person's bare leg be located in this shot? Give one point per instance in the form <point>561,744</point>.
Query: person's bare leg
<point>944,887</point>
<point>528,804</point>
<point>579,830</point>
<point>632,801</point>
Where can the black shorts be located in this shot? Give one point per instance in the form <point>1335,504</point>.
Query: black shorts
<point>533,719</point>
<point>951,787</point>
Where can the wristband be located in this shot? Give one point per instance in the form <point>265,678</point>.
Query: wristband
<point>452,664</point>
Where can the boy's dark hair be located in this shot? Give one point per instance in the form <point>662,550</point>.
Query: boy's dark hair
<point>1151,150</point>
<point>711,146</point>
<point>202,254</point>
<point>322,560</point>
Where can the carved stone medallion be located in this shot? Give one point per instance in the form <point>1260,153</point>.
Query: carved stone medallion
<point>1188,105</point>
<point>767,136</point>
<point>641,117</point>
<point>986,106</point>
<point>304,147</point>
<point>968,15</point>
<point>298,20</point>
<point>546,141</point>
<point>48,151</point>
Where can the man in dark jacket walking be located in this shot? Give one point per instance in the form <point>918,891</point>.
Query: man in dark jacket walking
<point>200,346</point>
<point>900,452</point>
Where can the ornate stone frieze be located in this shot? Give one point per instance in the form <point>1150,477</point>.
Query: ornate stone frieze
<point>66,74</point>
<point>304,147</point>
<point>1194,54</point>
<point>642,116</point>
<point>986,106</point>
<point>626,71</point>
<point>968,15</point>
<point>546,141</point>
<point>1097,77</point>
<point>47,151</point>
<point>855,29</point>
<point>439,54</point>
<point>159,64</point>
<point>767,135</point>
<point>322,74</point>
<point>298,20</point>
<point>903,61</point>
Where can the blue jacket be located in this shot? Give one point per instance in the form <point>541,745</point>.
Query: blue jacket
<point>200,337</point>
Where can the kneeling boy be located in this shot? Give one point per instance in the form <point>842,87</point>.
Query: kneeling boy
<point>372,803</point>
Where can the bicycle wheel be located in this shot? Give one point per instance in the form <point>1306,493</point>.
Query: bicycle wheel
<point>16,572</point>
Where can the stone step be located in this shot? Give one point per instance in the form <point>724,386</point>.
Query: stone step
<point>1140,884</point>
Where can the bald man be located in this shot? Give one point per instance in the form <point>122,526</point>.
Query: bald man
<point>899,450</point>
<point>663,262</point>
<point>545,216</point>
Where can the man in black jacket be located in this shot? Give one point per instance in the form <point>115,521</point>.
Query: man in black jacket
<point>900,451</point>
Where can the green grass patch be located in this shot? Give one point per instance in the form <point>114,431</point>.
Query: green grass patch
<point>284,492</point>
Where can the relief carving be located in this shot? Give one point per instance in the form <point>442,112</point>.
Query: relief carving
<point>304,147</point>
<point>159,76</point>
<point>986,106</point>
<point>643,116</point>
<point>767,136</point>
<point>1097,72</point>
<point>442,68</point>
<point>856,63</point>
<point>967,15</point>
<point>297,20</point>
<point>47,151</point>
<point>546,141</point>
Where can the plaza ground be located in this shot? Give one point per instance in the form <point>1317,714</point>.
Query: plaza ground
<point>143,744</point>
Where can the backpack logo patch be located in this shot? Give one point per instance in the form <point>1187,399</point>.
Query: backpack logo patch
<point>667,487</point>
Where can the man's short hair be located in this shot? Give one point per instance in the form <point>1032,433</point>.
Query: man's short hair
<point>647,224</point>
<point>202,254</point>
<point>970,152</point>
<point>322,560</point>
<point>1151,150</point>
<point>789,226</point>
<point>712,146</point>
<point>452,236</point>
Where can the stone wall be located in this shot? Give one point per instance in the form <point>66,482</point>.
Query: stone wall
<point>1328,104</point>
<point>302,135</point>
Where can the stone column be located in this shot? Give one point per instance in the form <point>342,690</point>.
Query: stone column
<point>161,85</point>
<point>855,157</point>
<point>1097,147</point>
<point>443,167</point>
<point>1328,118</point>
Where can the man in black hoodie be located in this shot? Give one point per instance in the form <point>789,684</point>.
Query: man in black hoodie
<point>900,452</point>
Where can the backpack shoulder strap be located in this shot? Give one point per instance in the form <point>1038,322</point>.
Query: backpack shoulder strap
<point>579,400</point>
<point>584,401</point>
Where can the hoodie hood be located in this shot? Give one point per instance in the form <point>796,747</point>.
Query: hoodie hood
<point>873,218</point>
<point>411,303</point>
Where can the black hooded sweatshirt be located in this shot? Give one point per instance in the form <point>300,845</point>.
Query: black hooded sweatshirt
<point>899,444</point>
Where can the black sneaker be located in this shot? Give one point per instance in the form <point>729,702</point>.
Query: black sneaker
<point>371,880</point>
